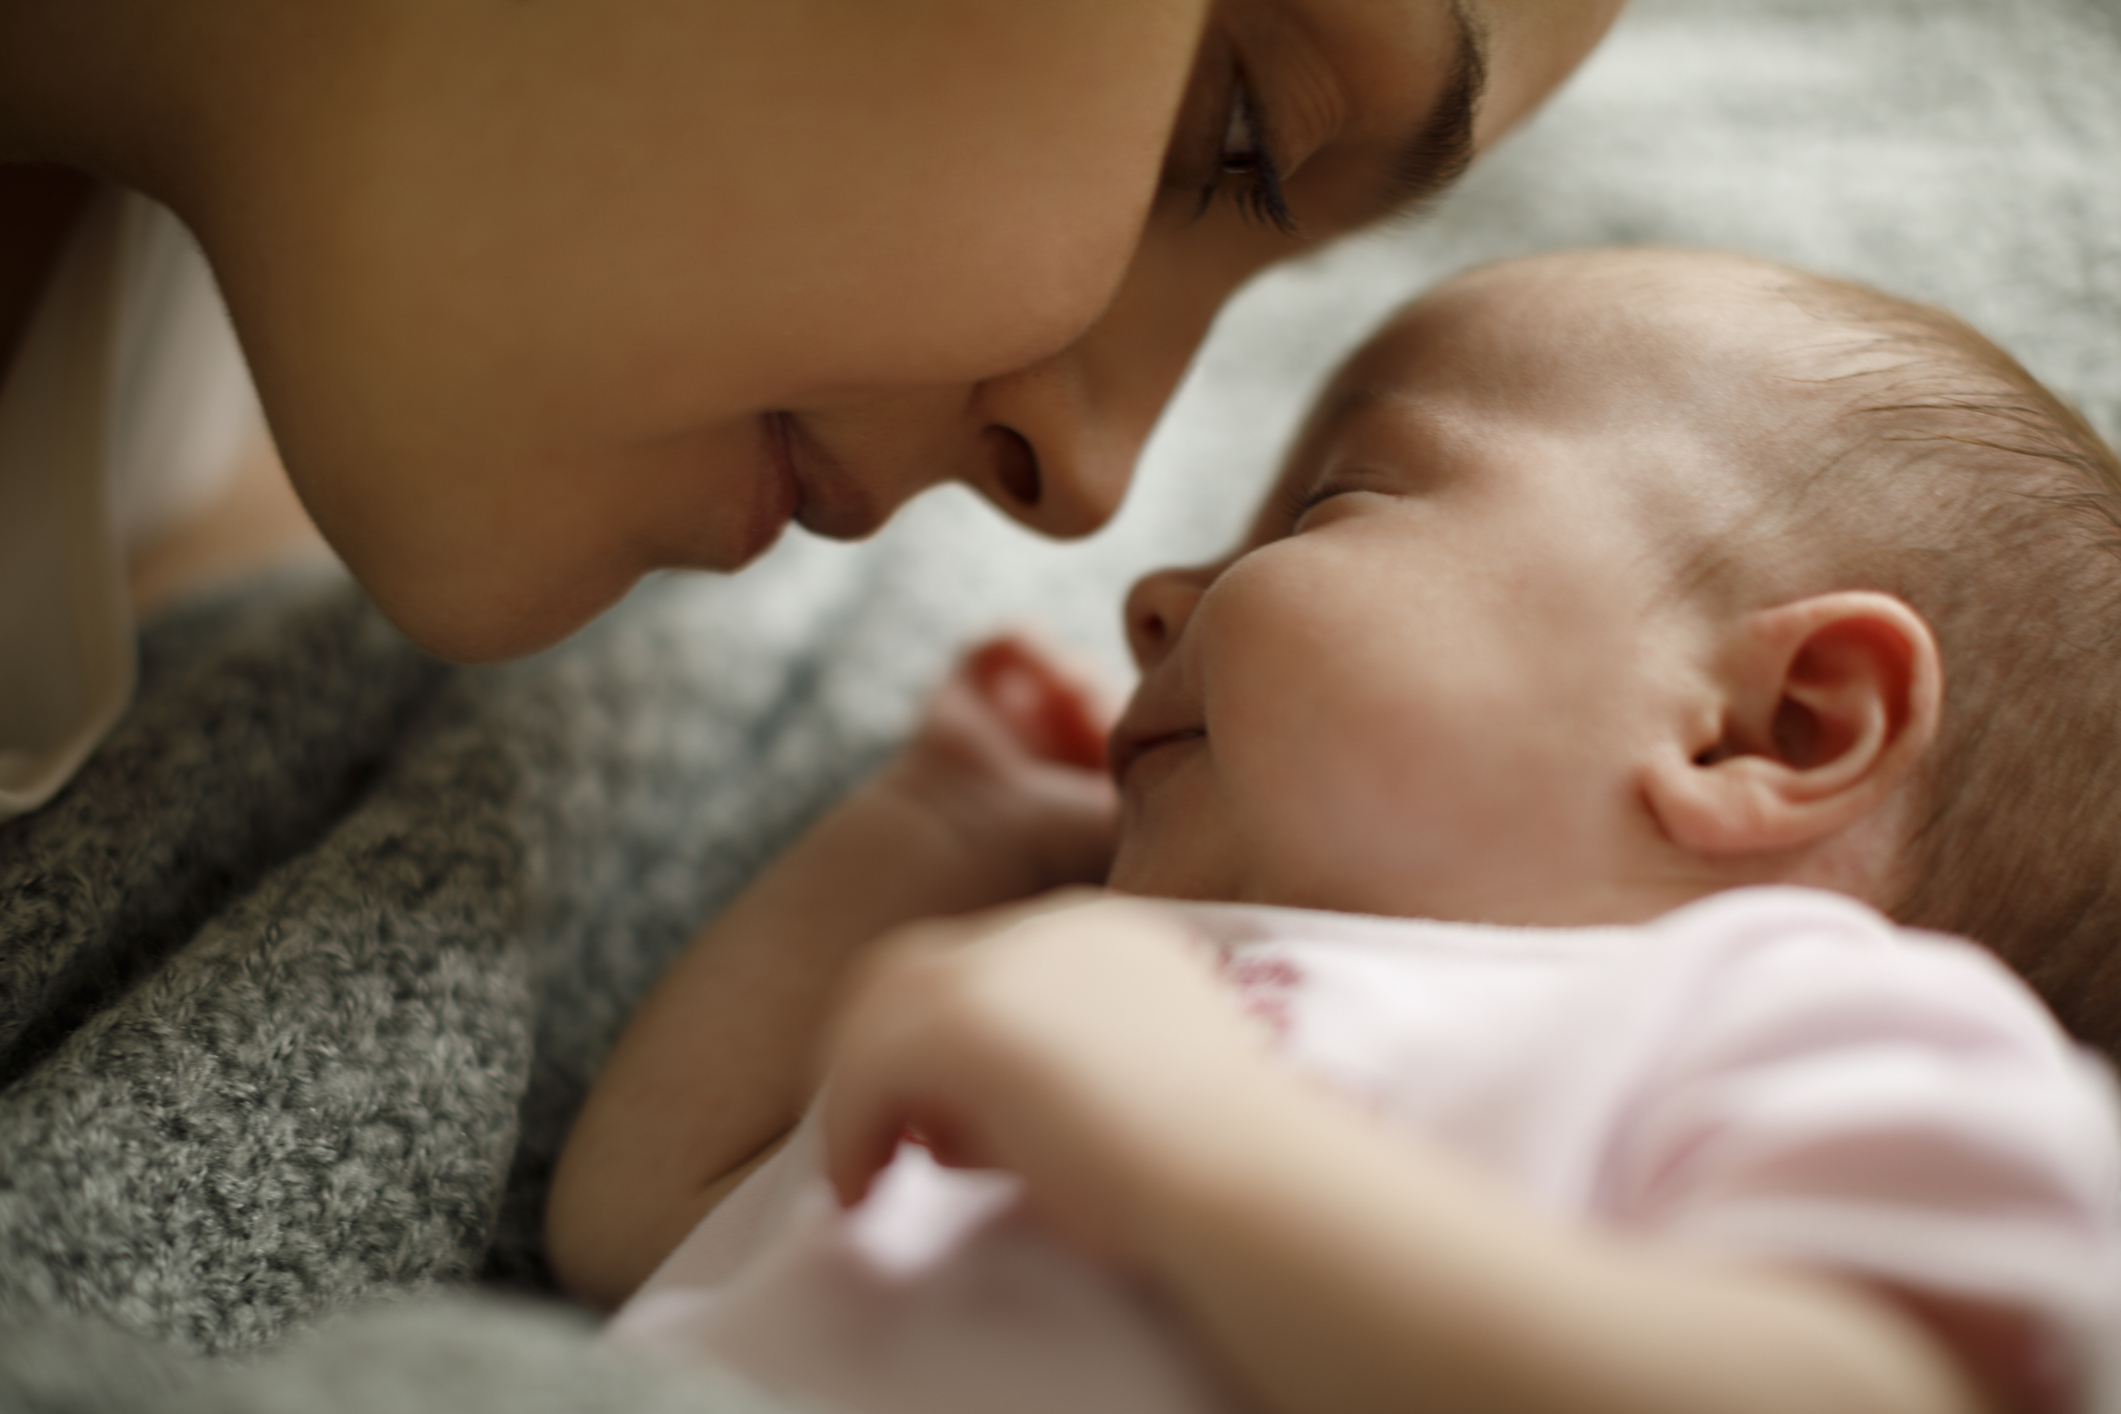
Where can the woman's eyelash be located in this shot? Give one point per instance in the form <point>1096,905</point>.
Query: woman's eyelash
<point>1245,161</point>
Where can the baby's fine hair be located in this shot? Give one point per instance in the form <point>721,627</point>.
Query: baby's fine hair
<point>1994,510</point>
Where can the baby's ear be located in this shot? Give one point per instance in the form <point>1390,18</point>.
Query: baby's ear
<point>1825,706</point>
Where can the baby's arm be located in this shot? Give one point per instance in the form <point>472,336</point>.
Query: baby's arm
<point>1332,1265</point>
<point>1001,794</point>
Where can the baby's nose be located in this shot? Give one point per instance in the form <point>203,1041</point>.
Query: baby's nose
<point>1157,609</point>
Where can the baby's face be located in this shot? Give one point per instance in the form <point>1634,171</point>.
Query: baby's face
<point>1429,681</point>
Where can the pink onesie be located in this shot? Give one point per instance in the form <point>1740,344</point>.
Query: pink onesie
<point>1771,1073</point>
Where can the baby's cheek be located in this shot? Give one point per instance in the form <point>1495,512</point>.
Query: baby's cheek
<point>1296,806</point>
<point>1364,791</point>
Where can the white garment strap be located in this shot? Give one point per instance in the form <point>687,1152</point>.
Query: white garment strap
<point>66,647</point>
<point>127,409</point>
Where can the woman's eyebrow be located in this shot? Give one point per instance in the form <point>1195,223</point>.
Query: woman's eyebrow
<point>1441,148</point>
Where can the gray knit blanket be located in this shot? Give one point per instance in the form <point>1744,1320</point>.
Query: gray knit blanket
<point>302,980</point>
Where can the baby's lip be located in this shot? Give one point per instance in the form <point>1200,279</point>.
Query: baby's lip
<point>1130,743</point>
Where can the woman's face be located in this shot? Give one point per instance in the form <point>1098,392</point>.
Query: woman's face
<point>543,297</point>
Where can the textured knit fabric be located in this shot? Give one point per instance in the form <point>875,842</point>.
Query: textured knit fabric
<point>1771,1074</point>
<point>450,1353</point>
<point>302,978</point>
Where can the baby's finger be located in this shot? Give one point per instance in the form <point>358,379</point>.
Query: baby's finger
<point>859,1141</point>
<point>1054,712</point>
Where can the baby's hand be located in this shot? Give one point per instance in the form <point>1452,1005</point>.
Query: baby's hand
<point>1010,758</point>
<point>1081,1041</point>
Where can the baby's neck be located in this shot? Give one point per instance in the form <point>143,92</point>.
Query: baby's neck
<point>1861,869</point>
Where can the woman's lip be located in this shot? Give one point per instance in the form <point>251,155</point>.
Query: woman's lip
<point>830,500</point>
<point>780,496</point>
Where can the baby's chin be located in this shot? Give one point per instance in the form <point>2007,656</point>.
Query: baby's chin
<point>1147,873</point>
<point>1133,872</point>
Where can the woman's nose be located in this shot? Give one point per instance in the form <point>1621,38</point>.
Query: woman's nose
<point>1157,610</point>
<point>1053,453</point>
<point>1060,438</point>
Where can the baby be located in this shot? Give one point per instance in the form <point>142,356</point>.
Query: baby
<point>1629,635</point>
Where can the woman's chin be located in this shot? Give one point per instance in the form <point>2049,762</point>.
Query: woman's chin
<point>492,621</point>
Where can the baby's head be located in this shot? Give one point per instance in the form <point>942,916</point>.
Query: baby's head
<point>1600,582</point>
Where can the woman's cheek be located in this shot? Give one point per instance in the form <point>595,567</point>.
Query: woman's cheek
<point>1009,286</point>
<point>993,209</point>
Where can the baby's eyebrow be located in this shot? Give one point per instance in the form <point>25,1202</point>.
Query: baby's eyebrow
<point>1353,399</point>
<point>1440,148</point>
